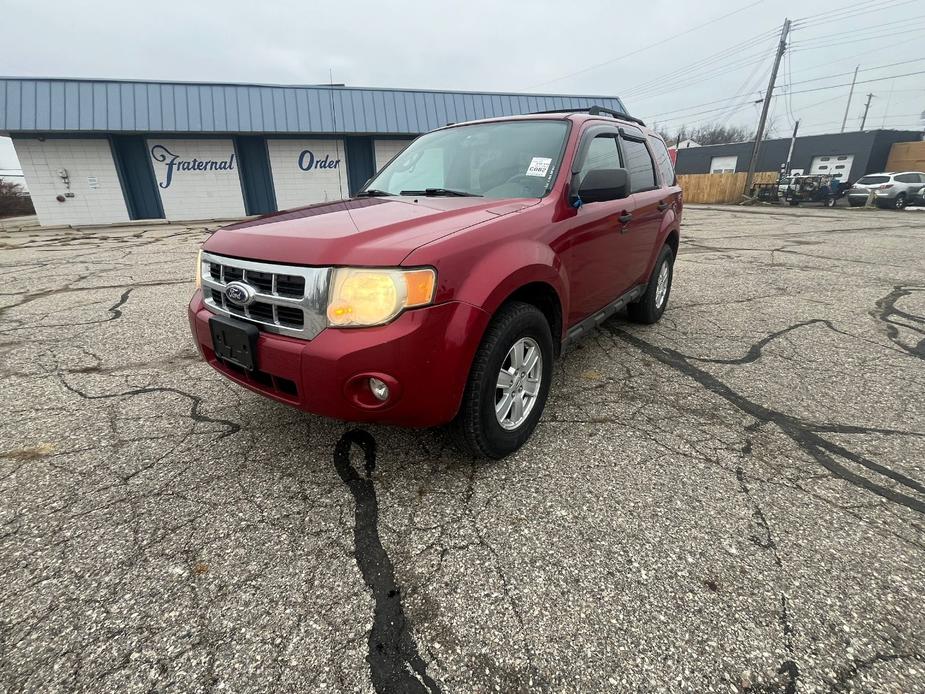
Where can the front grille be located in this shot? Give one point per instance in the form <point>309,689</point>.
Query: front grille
<point>288,299</point>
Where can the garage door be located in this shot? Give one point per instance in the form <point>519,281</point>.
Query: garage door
<point>838,165</point>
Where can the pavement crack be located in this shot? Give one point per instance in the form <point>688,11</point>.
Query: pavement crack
<point>801,432</point>
<point>394,662</point>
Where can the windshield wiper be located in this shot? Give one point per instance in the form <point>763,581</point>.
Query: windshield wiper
<point>433,192</point>
<point>372,193</point>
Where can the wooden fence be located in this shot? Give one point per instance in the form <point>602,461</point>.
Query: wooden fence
<point>906,156</point>
<point>719,187</point>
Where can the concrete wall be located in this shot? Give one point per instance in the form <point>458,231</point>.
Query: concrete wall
<point>304,171</point>
<point>386,149</point>
<point>98,197</point>
<point>197,179</point>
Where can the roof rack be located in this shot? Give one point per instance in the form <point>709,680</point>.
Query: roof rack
<point>595,111</point>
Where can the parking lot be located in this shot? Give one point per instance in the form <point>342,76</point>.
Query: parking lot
<point>730,500</point>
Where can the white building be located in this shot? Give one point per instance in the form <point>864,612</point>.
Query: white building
<point>103,151</point>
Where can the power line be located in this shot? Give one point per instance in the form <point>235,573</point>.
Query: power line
<point>698,64</point>
<point>649,47</point>
<point>871,27</point>
<point>849,13</point>
<point>799,47</point>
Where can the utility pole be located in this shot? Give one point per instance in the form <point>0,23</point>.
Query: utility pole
<point>850,94</point>
<point>759,133</point>
<point>866,109</point>
<point>793,140</point>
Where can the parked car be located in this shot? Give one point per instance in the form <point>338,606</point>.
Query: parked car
<point>445,288</point>
<point>918,200</point>
<point>891,190</point>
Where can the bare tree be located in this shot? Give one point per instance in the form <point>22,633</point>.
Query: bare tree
<point>708,134</point>
<point>13,201</point>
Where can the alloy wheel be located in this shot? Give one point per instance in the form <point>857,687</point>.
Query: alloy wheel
<point>518,384</point>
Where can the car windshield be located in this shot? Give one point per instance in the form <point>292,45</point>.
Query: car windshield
<point>513,159</point>
<point>868,180</point>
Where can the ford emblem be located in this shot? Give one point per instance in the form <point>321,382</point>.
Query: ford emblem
<point>239,293</point>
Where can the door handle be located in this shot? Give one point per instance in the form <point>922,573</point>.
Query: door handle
<point>625,217</point>
<point>662,206</point>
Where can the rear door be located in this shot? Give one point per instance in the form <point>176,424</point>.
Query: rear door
<point>597,251</point>
<point>649,203</point>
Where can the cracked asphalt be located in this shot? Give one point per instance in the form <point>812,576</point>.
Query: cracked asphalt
<point>729,501</point>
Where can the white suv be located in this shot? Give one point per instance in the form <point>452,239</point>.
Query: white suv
<point>893,190</point>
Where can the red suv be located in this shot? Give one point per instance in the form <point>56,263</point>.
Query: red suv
<point>443,291</point>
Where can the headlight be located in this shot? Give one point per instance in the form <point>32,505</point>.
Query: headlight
<point>199,269</point>
<point>367,296</point>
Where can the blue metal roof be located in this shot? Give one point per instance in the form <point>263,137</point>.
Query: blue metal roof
<point>74,105</point>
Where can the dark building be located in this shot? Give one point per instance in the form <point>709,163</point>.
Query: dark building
<point>847,155</point>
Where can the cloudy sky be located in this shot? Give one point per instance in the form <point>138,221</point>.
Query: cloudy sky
<point>673,62</point>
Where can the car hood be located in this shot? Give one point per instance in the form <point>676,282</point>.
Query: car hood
<point>359,231</point>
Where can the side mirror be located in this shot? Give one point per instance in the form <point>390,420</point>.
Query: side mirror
<point>601,185</point>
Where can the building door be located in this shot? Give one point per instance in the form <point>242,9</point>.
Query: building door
<point>361,163</point>
<point>256,180</point>
<point>837,165</point>
<point>134,166</point>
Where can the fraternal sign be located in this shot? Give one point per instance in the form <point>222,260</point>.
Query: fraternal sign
<point>174,162</point>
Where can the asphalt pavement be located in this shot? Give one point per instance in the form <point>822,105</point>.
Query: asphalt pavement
<point>732,500</point>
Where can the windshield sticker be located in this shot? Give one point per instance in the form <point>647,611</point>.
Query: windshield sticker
<point>539,166</point>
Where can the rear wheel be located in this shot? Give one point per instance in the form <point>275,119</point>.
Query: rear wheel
<point>508,383</point>
<point>829,202</point>
<point>651,306</point>
<point>899,202</point>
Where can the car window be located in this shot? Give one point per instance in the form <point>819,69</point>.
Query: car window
<point>908,178</point>
<point>870,180</point>
<point>512,159</point>
<point>602,154</point>
<point>663,161</point>
<point>639,165</point>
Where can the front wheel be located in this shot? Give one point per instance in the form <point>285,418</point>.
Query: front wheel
<point>651,306</point>
<point>829,202</point>
<point>508,383</point>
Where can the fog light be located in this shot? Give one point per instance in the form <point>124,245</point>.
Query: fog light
<point>379,389</point>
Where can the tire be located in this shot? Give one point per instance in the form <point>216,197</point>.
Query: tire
<point>829,202</point>
<point>899,202</point>
<point>794,203</point>
<point>478,429</point>
<point>650,308</point>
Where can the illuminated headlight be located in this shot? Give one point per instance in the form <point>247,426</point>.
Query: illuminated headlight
<point>199,269</point>
<point>368,296</point>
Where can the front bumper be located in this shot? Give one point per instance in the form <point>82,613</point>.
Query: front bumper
<point>424,355</point>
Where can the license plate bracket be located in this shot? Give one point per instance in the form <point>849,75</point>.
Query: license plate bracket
<point>234,341</point>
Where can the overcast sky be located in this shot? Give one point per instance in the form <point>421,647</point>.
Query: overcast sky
<point>539,46</point>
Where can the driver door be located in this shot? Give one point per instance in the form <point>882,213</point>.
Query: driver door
<point>598,253</point>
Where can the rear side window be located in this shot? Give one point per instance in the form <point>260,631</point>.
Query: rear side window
<point>639,165</point>
<point>869,180</point>
<point>908,178</point>
<point>602,154</point>
<point>662,161</point>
